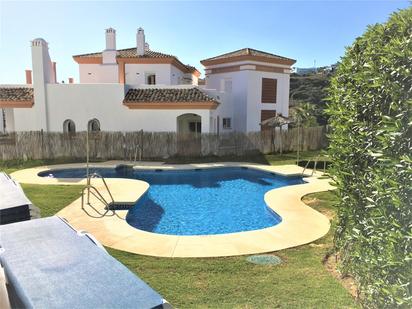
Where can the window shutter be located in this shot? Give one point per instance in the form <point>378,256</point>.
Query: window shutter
<point>269,90</point>
<point>266,114</point>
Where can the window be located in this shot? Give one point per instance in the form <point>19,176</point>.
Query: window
<point>266,114</point>
<point>93,125</point>
<point>228,85</point>
<point>269,90</point>
<point>69,126</point>
<point>195,127</point>
<point>151,79</point>
<point>227,123</point>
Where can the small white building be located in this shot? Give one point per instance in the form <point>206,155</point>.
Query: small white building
<point>139,89</point>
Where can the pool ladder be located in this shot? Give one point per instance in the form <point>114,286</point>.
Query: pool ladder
<point>92,190</point>
<point>315,160</point>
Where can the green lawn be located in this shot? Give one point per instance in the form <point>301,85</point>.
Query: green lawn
<point>286,158</point>
<point>300,282</point>
<point>50,199</point>
<point>11,166</point>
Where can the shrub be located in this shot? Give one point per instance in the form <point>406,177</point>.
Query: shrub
<point>370,147</point>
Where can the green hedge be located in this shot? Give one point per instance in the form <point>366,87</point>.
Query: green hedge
<point>370,147</point>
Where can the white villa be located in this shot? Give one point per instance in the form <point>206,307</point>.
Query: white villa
<point>139,89</point>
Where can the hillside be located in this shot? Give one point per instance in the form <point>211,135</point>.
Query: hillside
<point>310,89</point>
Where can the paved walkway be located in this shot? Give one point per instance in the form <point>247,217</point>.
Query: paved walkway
<point>300,224</point>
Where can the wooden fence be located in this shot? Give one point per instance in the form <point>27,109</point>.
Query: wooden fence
<point>155,145</point>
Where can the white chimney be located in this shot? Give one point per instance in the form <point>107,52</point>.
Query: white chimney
<point>42,75</point>
<point>110,39</point>
<point>42,64</point>
<point>140,42</point>
<point>109,54</point>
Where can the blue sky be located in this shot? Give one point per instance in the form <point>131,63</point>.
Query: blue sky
<point>195,30</point>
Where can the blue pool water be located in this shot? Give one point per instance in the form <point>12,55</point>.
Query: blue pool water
<point>198,202</point>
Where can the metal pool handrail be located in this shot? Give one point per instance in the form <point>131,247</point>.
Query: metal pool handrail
<point>95,192</point>
<point>315,160</point>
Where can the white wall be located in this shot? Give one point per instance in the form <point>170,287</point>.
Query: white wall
<point>224,109</point>
<point>9,113</point>
<point>235,106</point>
<point>195,79</point>
<point>83,102</point>
<point>136,73</point>
<point>98,73</point>
<point>254,97</point>
<point>245,103</point>
<point>177,76</point>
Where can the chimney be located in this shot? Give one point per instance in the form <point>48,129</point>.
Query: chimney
<point>140,42</point>
<point>109,54</point>
<point>71,80</point>
<point>42,65</point>
<point>28,77</point>
<point>110,39</point>
<point>54,71</point>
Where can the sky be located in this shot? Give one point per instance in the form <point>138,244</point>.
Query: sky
<point>307,31</point>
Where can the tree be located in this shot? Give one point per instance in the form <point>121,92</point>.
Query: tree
<point>304,114</point>
<point>370,148</point>
<point>311,89</point>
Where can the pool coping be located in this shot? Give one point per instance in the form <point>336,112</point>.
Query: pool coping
<point>300,223</point>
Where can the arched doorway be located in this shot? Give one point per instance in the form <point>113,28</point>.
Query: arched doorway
<point>93,125</point>
<point>189,131</point>
<point>69,126</point>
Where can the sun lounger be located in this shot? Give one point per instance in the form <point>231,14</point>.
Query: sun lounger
<point>48,264</point>
<point>14,205</point>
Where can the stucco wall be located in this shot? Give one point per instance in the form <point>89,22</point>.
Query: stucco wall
<point>83,102</point>
<point>176,76</point>
<point>136,73</point>
<point>99,73</point>
<point>235,107</point>
<point>255,105</point>
<point>246,103</point>
<point>224,109</point>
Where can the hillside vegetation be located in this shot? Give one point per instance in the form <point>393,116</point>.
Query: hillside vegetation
<point>310,89</point>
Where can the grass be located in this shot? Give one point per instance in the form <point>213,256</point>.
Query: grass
<point>275,159</point>
<point>300,282</point>
<point>50,199</point>
<point>10,166</point>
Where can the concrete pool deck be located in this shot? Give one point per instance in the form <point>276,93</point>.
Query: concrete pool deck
<point>300,223</point>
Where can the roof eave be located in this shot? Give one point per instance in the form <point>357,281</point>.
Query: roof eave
<point>88,60</point>
<point>283,61</point>
<point>171,105</point>
<point>16,103</point>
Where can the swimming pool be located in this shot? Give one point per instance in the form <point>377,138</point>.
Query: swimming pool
<point>197,202</point>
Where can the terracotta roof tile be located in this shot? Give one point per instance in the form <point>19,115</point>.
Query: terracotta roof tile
<point>16,94</point>
<point>130,53</point>
<point>248,52</point>
<point>166,95</point>
<point>190,68</point>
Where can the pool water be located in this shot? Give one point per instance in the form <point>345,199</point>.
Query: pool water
<point>198,202</point>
